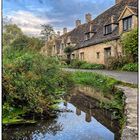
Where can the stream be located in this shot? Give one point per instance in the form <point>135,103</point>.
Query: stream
<point>81,119</point>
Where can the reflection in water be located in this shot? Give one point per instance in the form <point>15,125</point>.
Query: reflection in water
<point>35,132</point>
<point>65,104</point>
<point>83,122</point>
<point>88,116</point>
<point>78,111</point>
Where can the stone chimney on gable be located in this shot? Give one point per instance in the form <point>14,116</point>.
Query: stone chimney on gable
<point>112,18</point>
<point>64,30</point>
<point>118,1</point>
<point>88,17</point>
<point>77,22</point>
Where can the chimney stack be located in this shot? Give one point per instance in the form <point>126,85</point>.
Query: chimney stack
<point>112,18</point>
<point>118,1</point>
<point>88,17</point>
<point>64,30</point>
<point>77,22</point>
<point>58,33</point>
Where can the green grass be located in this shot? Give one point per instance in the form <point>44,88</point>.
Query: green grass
<point>99,82</point>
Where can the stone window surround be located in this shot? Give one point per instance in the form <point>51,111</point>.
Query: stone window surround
<point>98,55</point>
<point>108,29</point>
<point>128,20</point>
<point>81,55</point>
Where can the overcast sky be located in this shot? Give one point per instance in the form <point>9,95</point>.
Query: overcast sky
<point>30,14</point>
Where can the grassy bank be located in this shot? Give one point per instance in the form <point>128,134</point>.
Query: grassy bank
<point>106,85</point>
<point>98,81</point>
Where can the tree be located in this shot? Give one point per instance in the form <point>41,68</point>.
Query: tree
<point>35,43</point>
<point>21,42</point>
<point>47,30</point>
<point>12,29</point>
<point>10,33</point>
<point>129,42</point>
<point>68,50</point>
<point>7,38</point>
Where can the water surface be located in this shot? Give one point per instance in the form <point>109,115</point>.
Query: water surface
<point>81,120</point>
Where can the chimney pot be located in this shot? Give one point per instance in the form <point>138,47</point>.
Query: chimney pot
<point>88,17</point>
<point>64,30</point>
<point>77,22</point>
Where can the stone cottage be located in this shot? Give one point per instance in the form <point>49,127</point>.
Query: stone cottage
<point>97,39</point>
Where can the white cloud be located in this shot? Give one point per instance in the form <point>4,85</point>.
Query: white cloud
<point>29,22</point>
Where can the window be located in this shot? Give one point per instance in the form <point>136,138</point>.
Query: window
<point>98,55</point>
<point>73,56</point>
<point>127,23</point>
<point>68,44</point>
<point>108,29</point>
<point>82,56</point>
<point>62,46</point>
<point>107,52</point>
<point>87,36</point>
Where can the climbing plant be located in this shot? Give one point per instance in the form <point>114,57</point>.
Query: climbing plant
<point>129,42</point>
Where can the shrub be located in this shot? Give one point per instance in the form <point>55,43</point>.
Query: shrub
<point>114,63</point>
<point>130,67</point>
<point>129,42</point>
<point>68,50</point>
<point>31,80</point>
<point>92,66</point>
<point>76,63</point>
<point>85,65</point>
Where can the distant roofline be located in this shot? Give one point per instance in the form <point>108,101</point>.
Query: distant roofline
<point>90,21</point>
<point>102,41</point>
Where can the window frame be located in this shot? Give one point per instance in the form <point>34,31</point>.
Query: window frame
<point>73,56</point>
<point>82,55</point>
<point>54,49</point>
<point>62,46</point>
<point>107,52</point>
<point>98,55</point>
<point>127,23</point>
<point>108,29</point>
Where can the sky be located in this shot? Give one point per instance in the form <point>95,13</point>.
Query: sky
<point>29,15</point>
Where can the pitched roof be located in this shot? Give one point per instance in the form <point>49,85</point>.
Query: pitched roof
<point>134,9</point>
<point>77,35</point>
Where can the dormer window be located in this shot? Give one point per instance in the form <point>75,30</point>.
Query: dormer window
<point>108,29</point>
<point>87,36</point>
<point>62,46</point>
<point>127,23</point>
